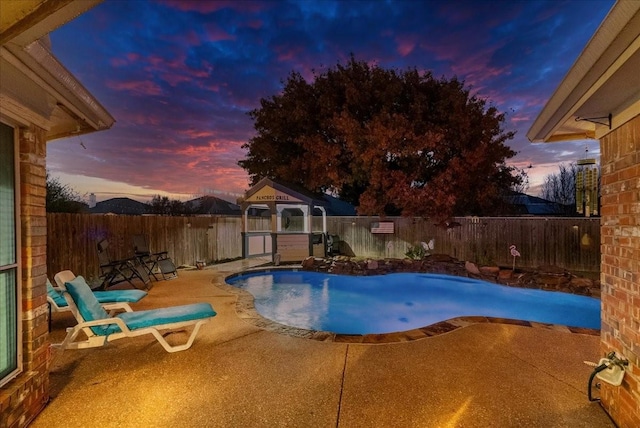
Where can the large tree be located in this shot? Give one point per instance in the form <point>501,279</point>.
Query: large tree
<point>387,141</point>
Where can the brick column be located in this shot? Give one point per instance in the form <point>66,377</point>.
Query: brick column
<point>24,397</point>
<point>620,273</point>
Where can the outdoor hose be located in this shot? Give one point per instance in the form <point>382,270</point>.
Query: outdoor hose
<point>597,370</point>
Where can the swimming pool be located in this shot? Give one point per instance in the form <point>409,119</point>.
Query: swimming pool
<point>402,301</point>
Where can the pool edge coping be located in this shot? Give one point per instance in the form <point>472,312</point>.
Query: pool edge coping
<point>245,310</point>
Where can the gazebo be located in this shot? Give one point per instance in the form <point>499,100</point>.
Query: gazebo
<point>278,222</point>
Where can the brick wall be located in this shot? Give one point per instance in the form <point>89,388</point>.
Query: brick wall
<point>620,272</point>
<point>23,398</point>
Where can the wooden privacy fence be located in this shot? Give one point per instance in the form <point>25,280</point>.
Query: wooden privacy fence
<point>572,243</point>
<point>72,239</point>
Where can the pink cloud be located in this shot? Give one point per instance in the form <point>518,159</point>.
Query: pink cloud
<point>174,71</point>
<point>193,133</point>
<point>127,59</point>
<point>118,62</point>
<point>213,6</point>
<point>192,38</point>
<point>255,24</point>
<point>174,79</point>
<point>288,54</point>
<point>406,44</point>
<point>216,34</point>
<point>139,87</point>
<point>520,118</point>
<point>142,119</point>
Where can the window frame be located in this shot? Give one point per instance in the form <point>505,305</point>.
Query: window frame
<point>18,250</point>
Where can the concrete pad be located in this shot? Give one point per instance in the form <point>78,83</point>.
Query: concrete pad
<point>485,375</point>
<point>237,374</point>
<point>260,379</point>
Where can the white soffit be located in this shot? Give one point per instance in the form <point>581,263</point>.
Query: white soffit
<point>24,21</point>
<point>605,79</point>
<point>25,47</point>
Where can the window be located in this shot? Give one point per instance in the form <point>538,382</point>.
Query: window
<point>10,346</point>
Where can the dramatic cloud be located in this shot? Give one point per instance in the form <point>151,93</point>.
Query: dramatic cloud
<point>180,76</point>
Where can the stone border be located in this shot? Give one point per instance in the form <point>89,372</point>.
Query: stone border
<point>245,309</point>
<point>547,278</point>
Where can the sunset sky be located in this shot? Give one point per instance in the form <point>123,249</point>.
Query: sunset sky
<point>179,76</point>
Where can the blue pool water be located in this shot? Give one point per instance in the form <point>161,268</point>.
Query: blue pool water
<point>403,301</point>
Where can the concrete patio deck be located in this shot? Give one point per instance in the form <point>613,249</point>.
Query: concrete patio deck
<point>239,375</point>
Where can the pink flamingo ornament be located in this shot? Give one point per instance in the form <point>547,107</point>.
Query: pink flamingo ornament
<point>515,253</point>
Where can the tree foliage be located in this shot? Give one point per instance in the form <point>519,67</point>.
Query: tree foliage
<point>561,186</point>
<point>522,184</point>
<point>62,198</point>
<point>162,205</point>
<point>388,141</point>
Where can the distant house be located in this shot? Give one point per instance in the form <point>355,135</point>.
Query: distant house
<point>212,205</point>
<point>338,207</point>
<point>122,206</point>
<point>522,204</point>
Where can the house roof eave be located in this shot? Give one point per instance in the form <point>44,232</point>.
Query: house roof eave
<point>598,83</point>
<point>71,109</point>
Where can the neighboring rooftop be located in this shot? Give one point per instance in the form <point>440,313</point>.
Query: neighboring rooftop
<point>338,207</point>
<point>212,205</point>
<point>124,206</point>
<point>532,205</point>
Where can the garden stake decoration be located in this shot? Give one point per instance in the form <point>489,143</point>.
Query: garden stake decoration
<point>428,246</point>
<point>515,253</point>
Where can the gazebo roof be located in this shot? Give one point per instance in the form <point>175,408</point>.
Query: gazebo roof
<point>267,190</point>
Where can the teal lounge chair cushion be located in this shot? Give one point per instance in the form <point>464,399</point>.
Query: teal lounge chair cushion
<point>56,295</point>
<point>112,296</point>
<point>90,309</point>
<point>88,305</point>
<point>171,315</point>
<point>119,296</point>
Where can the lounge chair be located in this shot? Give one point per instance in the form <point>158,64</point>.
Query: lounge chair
<point>151,261</point>
<point>115,271</point>
<point>100,328</point>
<point>110,300</point>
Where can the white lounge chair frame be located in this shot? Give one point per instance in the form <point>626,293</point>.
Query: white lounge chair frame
<point>93,340</point>
<point>66,275</point>
<point>111,307</point>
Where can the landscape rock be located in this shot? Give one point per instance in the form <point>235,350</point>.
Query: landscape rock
<point>550,278</point>
<point>581,282</point>
<point>505,274</point>
<point>472,268</point>
<point>490,270</point>
<point>308,262</point>
<point>552,270</point>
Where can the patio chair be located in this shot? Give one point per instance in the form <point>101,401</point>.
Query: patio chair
<point>114,271</point>
<point>152,261</point>
<point>101,329</point>
<point>112,300</point>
